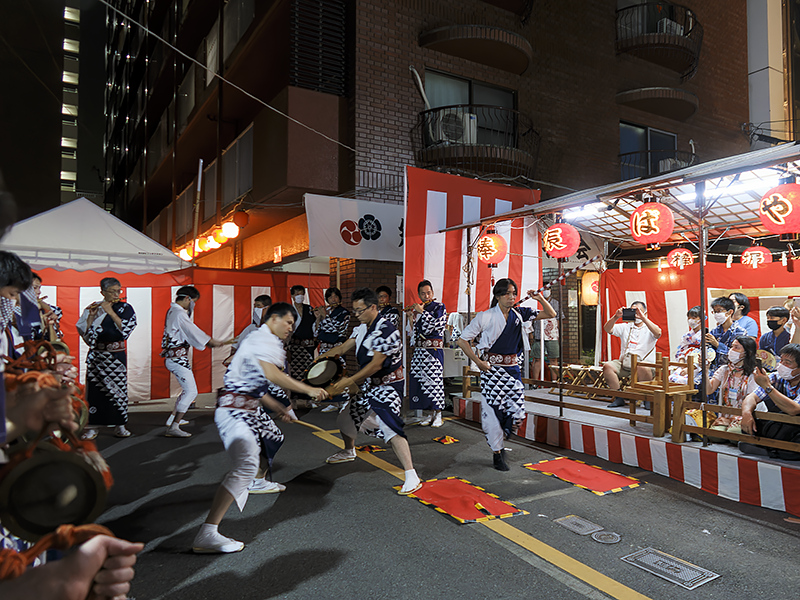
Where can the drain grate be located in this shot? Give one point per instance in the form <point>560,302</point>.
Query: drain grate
<point>672,569</point>
<point>578,524</point>
<point>606,537</point>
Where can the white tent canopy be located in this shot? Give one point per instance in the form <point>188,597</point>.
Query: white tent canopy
<point>82,236</point>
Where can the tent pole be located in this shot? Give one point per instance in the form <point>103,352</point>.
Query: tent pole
<point>700,204</point>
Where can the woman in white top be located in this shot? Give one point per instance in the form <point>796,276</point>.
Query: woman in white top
<point>735,380</point>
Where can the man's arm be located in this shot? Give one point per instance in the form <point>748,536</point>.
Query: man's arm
<point>278,377</point>
<point>372,367</point>
<point>608,326</point>
<point>340,350</point>
<point>467,348</point>
<point>547,312</point>
<point>748,406</point>
<point>654,329</point>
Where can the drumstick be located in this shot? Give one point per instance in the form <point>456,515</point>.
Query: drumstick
<point>309,425</point>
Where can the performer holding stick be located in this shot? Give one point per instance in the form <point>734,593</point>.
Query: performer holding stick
<point>502,339</point>
<point>302,342</point>
<point>426,384</point>
<point>375,410</point>
<point>331,327</point>
<point>245,428</point>
<point>179,334</point>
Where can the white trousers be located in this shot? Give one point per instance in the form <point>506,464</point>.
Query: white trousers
<point>491,427</point>
<point>185,378</point>
<point>244,451</point>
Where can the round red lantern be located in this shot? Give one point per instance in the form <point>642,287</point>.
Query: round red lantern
<point>756,256</point>
<point>241,218</point>
<point>492,248</point>
<point>779,209</point>
<point>652,223</point>
<point>680,258</point>
<point>561,240</point>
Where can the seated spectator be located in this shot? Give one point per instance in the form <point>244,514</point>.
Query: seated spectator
<point>690,346</point>
<point>639,338</point>
<point>726,331</point>
<point>779,392</point>
<point>777,337</point>
<point>734,380</point>
<point>741,306</point>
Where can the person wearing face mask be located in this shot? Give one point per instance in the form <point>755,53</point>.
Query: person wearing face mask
<point>741,306</point>
<point>302,342</point>
<point>548,328</point>
<point>180,334</point>
<point>779,392</point>
<point>105,326</point>
<point>637,338</point>
<point>331,327</point>
<point>690,345</point>
<point>735,380</point>
<point>723,335</point>
<point>777,336</point>
<point>260,307</point>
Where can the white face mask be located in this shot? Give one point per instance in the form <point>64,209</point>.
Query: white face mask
<point>720,317</point>
<point>299,298</point>
<point>785,372</point>
<point>546,294</point>
<point>734,356</point>
<point>191,307</point>
<point>637,321</point>
<point>257,312</point>
<point>694,323</point>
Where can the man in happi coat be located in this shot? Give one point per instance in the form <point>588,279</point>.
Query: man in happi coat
<point>248,433</point>
<point>385,308</point>
<point>105,326</point>
<point>302,342</point>
<point>375,409</point>
<point>179,335</point>
<point>331,326</point>
<point>503,336</point>
<point>426,384</point>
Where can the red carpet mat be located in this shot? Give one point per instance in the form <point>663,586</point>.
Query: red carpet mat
<point>588,477</point>
<point>465,502</point>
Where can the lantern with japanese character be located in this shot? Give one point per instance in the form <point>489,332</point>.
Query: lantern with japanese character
<point>561,240</point>
<point>680,258</point>
<point>590,288</point>
<point>756,256</point>
<point>492,248</point>
<point>779,209</point>
<point>651,224</point>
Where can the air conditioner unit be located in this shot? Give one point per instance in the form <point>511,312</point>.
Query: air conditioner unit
<point>455,127</point>
<point>669,26</point>
<point>670,164</point>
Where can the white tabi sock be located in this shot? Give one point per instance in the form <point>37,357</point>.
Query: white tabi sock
<point>209,528</point>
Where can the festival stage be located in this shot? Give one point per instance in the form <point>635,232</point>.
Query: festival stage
<point>718,469</point>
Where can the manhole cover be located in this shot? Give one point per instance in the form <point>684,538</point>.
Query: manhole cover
<point>672,569</point>
<point>606,537</point>
<point>578,524</point>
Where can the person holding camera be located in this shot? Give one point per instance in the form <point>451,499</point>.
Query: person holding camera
<point>639,336</point>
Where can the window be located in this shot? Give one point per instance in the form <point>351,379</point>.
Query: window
<point>645,151</point>
<point>72,46</point>
<point>72,14</point>
<point>68,77</point>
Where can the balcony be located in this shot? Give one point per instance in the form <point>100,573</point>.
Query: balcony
<point>476,139</point>
<point>490,46</point>
<point>662,33</point>
<point>653,162</point>
<point>667,102</point>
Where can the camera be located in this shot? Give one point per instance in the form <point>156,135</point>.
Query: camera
<point>628,314</point>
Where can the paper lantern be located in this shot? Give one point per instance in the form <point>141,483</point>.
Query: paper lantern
<point>230,230</point>
<point>652,223</point>
<point>202,243</point>
<point>212,243</point>
<point>680,258</point>
<point>219,237</point>
<point>561,240</point>
<point>492,248</point>
<point>590,288</point>
<point>184,254</point>
<point>756,256</point>
<point>779,209</point>
<point>197,248</point>
<point>241,218</point>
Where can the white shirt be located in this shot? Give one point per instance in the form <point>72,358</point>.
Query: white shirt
<point>635,340</point>
<point>180,328</point>
<point>489,324</point>
<point>245,373</point>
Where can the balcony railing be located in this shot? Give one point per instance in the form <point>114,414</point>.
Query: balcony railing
<point>654,162</point>
<point>476,139</point>
<point>663,33</point>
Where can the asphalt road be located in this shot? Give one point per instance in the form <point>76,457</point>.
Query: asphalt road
<point>341,531</point>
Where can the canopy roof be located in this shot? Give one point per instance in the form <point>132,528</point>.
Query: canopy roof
<point>733,188</point>
<point>82,236</point>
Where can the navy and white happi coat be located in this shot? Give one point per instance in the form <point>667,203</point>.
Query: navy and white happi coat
<point>332,332</point>
<point>181,333</point>
<point>502,385</point>
<point>384,399</point>
<point>426,384</point>
<point>246,376</point>
<point>391,314</point>
<point>107,364</point>
<point>302,345</point>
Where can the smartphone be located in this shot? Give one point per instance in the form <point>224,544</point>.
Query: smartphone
<point>759,364</point>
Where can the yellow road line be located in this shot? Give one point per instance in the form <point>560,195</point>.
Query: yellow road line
<point>555,557</point>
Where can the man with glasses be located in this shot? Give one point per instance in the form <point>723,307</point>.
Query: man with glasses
<point>375,409</point>
<point>105,326</point>
<point>503,332</point>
